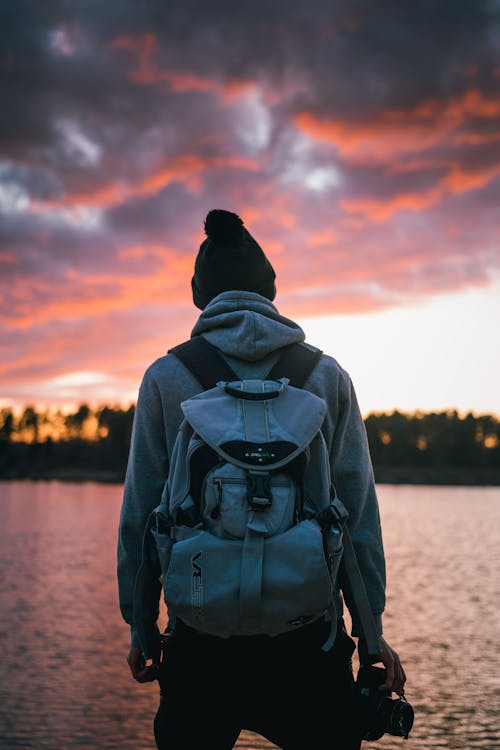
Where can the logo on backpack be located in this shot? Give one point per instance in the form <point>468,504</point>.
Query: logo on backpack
<point>197,587</point>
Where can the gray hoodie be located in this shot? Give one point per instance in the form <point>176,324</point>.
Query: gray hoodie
<point>249,331</point>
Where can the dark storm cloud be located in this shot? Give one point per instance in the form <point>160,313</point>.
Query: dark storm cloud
<point>358,140</point>
<point>346,58</point>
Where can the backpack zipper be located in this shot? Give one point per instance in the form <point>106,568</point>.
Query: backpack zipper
<point>216,509</point>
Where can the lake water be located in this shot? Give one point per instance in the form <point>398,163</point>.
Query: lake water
<point>64,682</point>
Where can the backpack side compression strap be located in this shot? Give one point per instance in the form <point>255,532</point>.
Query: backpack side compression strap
<point>203,361</point>
<point>357,586</point>
<point>296,363</point>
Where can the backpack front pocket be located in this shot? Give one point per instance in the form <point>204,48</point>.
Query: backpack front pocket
<point>207,588</point>
<point>202,583</point>
<point>227,511</point>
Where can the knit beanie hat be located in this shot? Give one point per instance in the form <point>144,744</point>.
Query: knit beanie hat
<point>230,259</point>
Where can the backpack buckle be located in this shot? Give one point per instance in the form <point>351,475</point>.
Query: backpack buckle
<point>162,524</point>
<point>259,493</point>
<point>331,516</point>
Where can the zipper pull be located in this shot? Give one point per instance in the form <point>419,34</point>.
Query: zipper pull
<point>216,509</point>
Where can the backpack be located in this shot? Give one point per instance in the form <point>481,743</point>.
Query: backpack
<point>248,536</point>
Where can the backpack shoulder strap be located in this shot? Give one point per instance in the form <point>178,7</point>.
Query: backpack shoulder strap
<point>203,361</point>
<point>296,362</point>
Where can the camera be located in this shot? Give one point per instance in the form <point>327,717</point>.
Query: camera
<point>380,714</point>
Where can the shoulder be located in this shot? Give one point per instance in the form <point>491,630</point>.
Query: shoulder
<point>164,368</point>
<point>327,367</point>
<point>330,365</point>
<point>330,381</point>
<point>168,380</point>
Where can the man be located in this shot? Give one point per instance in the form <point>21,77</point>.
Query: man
<point>284,687</point>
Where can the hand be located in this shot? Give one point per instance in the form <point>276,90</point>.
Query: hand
<point>142,672</point>
<point>395,677</point>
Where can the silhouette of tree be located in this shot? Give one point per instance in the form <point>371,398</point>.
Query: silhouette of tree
<point>7,425</point>
<point>29,422</point>
<point>74,422</point>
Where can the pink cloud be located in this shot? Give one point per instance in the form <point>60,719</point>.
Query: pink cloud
<point>395,132</point>
<point>154,273</point>
<point>457,181</point>
<point>186,169</point>
<point>147,72</point>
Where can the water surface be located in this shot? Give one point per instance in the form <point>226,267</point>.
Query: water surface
<point>64,682</point>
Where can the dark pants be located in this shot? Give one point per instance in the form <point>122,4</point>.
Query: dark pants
<point>284,688</point>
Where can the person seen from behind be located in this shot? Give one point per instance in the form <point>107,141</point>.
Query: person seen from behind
<point>284,687</point>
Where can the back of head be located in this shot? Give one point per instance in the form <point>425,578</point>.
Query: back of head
<point>230,259</point>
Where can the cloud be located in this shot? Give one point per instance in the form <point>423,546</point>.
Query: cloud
<point>358,140</point>
<point>391,133</point>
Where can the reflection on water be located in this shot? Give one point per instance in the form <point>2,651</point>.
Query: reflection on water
<point>64,682</point>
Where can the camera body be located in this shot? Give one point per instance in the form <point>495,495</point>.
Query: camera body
<point>381,714</point>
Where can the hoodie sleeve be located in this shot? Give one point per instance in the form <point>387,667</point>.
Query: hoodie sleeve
<point>146,474</point>
<point>354,481</point>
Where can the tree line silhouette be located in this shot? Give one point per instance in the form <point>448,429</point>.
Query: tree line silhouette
<point>430,447</point>
<point>85,444</point>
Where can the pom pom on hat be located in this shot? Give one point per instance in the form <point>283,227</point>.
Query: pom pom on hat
<point>223,226</point>
<point>230,259</point>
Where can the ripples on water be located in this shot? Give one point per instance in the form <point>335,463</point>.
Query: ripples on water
<point>64,682</point>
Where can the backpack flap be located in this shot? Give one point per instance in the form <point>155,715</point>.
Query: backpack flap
<point>256,423</point>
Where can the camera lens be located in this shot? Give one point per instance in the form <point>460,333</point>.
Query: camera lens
<point>378,712</point>
<point>400,720</point>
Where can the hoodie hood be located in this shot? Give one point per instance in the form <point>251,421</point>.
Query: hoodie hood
<point>246,325</point>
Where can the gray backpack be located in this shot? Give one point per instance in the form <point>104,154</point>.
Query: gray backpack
<point>249,533</point>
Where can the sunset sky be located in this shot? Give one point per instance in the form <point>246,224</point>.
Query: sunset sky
<point>358,140</point>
